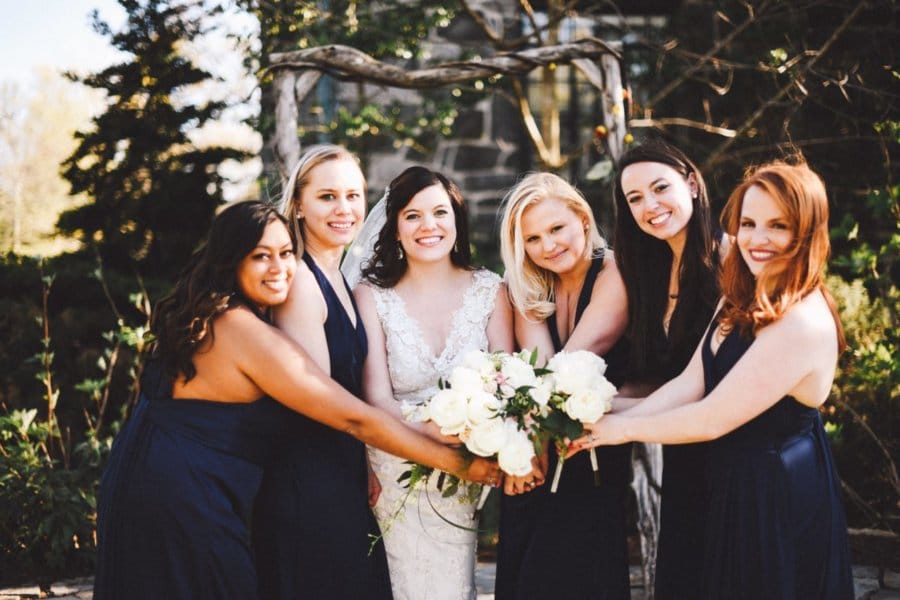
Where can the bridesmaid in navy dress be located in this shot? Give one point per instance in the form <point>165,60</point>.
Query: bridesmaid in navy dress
<point>301,552</point>
<point>669,257</point>
<point>177,495</point>
<point>558,545</point>
<point>775,525</point>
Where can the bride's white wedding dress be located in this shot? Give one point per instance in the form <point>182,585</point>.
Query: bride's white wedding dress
<point>428,558</point>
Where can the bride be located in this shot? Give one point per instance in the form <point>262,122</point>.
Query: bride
<point>424,306</point>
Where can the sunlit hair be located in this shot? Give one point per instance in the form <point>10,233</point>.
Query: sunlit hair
<point>299,179</point>
<point>208,285</point>
<point>751,302</point>
<point>530,286</point>
<point>386,267</point>
<point>645,263</point>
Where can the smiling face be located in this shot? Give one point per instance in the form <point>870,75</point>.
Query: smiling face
<point>660,199</point>
<point>554,235</point>
<point>332,204</point>
<point>764,231</point>
<point>426,226</point>
<point>264,276</point>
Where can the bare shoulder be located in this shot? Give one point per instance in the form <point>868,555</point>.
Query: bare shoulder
<point>304,300</point>
<point>809,324</point>
<point>610,278</point>
<point>364,294</point>
<point>243,327</point>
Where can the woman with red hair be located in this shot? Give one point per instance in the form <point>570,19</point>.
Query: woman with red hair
<point>775,525</point>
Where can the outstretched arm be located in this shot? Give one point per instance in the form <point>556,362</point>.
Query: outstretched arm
<point>281,369</point>
<point>769,370</point>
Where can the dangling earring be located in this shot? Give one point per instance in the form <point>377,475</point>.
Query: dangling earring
<point>399,250</point>
<point>456,246</point>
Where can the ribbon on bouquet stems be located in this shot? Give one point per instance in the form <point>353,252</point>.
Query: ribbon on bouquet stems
<point>559,467</point>
<point>485,492</point>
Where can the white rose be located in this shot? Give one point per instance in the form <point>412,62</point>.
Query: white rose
<point>481,362</point>
<point>483,406</point>
<point>466,381</point>
<point>574,371</point>
<point>586,406</point>
<point>516,373</point>
<point>448,409</point>
<point>542,391</point>
<point>487,438</point>
<point>516,454</point>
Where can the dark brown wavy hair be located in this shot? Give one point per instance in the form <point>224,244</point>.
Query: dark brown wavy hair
<point>385,267</point>
<point>751,302</point>
<point>646,262</point>
<point>207,286</point>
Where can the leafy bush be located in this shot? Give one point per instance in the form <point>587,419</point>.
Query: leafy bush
<point>50,466</point>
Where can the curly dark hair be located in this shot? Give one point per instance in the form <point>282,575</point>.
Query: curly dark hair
<point>646,262</point>
<point>207,286</point>
<point>385,267</point>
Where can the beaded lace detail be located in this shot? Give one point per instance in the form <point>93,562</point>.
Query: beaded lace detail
<point>429,559</point>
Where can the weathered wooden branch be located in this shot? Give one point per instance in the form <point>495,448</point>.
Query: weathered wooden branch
<point>662,122</point>
<point>346,63</point>
<point>350,64</point>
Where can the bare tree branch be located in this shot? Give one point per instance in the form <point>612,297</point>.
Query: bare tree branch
<point>724,43</point>
<point>663,122</point>
<point>717,154</point>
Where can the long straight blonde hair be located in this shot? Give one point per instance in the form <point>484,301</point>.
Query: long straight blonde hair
<point>290,199</point>
<point>531,288</point>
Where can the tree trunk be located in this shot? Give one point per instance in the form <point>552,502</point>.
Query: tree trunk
<point>647,464</point>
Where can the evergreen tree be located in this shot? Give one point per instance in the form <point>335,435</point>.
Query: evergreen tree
<point>153,192</point>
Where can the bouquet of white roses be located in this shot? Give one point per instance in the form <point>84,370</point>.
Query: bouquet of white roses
<point>580,393</point>
<point>492,402</point>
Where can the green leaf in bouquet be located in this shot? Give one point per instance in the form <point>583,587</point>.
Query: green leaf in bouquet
<point>452,487</point>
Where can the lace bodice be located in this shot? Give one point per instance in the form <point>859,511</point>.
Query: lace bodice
<point>429,558</point>
<point>414,369</point>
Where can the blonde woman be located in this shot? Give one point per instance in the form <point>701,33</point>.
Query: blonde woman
<point>313,517</point>
<point>567,294</point>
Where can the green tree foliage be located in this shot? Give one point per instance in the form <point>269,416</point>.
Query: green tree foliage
<point>153,192</point>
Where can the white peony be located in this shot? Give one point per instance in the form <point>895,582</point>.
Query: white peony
<point>482,406</point>
<point>541,392</point>
<point>576,371</point>
<point>481,362</point>
<point>466,381</point>
<point>586,406</point>
<point>448,409</point>
<point>488,438</point>
<point>515,373</point>
<point>516,454</point>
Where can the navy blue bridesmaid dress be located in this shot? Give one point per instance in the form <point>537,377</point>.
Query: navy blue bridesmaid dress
<point>313,526</point>
<point>679,551</point>
<point>571,544</point>
<point>775,526</point>
<point>176,497</point>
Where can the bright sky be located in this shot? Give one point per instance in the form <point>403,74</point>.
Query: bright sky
<point>56,33</point>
